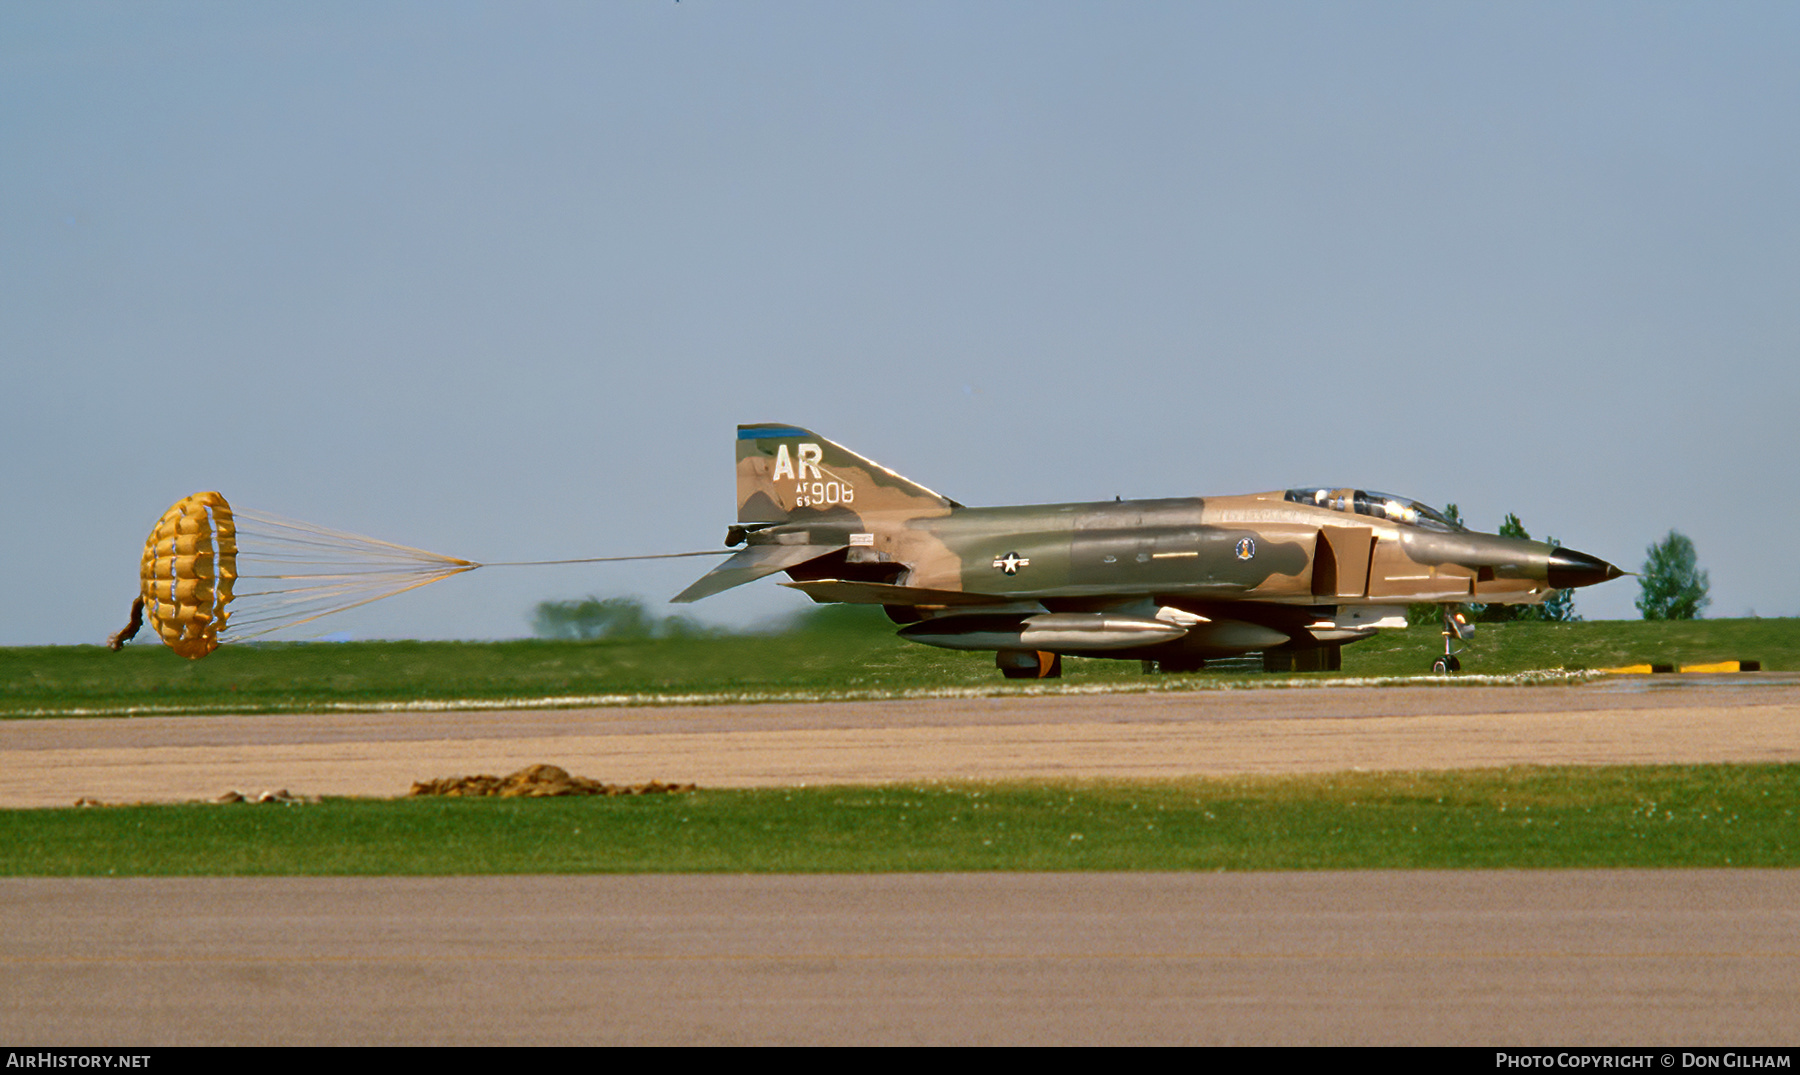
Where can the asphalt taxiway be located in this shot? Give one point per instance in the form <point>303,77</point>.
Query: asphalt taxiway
<point>1637,719</point>
<point>1673,957</point>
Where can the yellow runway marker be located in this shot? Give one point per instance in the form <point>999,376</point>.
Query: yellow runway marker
<point>1716,666</point>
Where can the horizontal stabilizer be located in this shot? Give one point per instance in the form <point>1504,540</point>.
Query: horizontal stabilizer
<point>751,564</point>
<point>877,593</point>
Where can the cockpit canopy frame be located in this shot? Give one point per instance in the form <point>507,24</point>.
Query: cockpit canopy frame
<point>1376,505</point>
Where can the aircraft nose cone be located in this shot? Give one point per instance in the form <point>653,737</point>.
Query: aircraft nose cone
<point>1568,568</point>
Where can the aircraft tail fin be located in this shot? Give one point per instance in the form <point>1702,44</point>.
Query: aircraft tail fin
<point>785,473</point>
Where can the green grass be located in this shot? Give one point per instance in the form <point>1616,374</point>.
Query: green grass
<point>857,658</point>
<point>287,677</point>
<point>1637,816</point>
<point>1513,647</point>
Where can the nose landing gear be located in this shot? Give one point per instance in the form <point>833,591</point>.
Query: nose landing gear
<point>1456,628</point>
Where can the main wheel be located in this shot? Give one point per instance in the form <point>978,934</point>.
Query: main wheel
<point>1028,664</point>
<point>1446,664</point>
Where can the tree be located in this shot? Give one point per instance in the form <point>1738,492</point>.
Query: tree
<point>1559,607</point>
<point>1673,586</point>
<point>622,618</point>
<point>1510,527</point>
<point>1424,614</point>
<point>613,617</point>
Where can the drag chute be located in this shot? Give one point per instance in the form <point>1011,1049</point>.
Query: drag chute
<point>212,573</point>
<point>187,573</point>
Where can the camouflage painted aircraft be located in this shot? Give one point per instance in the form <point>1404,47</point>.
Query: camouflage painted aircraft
<point>1294,574</point>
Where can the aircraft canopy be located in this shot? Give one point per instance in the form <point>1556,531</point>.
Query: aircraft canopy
<point>1397,509</point>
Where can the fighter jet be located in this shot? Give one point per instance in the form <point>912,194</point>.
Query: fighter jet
<point>1294,574</point>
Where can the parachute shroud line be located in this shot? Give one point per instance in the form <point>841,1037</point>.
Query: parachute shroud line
<point>202,548</point>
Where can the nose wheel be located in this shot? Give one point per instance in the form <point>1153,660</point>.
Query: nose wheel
<point>1456,628</point>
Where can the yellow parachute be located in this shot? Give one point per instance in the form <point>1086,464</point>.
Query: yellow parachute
<point>187,574</point>
<point>211,573</point>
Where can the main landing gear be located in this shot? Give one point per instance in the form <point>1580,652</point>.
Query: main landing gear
<point>1456,628</point>
<point>1028,664</point>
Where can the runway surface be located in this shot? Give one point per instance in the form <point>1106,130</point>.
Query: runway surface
<point>1640,719</point>
<point>1491,958</point>
<point>1675,958</point>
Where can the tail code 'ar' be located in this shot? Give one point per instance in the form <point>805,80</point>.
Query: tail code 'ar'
<point>784,471</point>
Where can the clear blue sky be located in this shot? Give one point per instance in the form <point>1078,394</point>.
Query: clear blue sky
<point>499,279</point>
